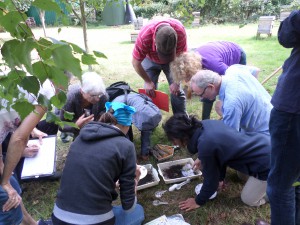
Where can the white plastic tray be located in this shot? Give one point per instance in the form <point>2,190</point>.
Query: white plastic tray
<point>149,167</point>
<point>165,165</point>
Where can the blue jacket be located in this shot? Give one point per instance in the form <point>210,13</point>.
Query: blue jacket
<point>219,145</point>
<point>287,95</point>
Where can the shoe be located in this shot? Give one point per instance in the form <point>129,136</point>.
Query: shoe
<point>45,222</point>
<point>261,222</point>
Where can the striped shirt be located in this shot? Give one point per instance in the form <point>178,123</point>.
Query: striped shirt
<point>145,43</point>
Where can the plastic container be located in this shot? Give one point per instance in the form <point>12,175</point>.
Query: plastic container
<point>166,165</point>
<point>150,168</point>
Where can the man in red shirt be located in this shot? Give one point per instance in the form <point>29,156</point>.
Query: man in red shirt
<point>156,46</point>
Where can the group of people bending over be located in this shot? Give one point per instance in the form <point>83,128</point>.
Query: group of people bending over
<point>102,155</point>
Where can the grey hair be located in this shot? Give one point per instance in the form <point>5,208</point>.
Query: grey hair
<point>92,83</point>
<point>205,77</point>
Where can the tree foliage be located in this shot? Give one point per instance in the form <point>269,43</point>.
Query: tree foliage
<point>54,59</point>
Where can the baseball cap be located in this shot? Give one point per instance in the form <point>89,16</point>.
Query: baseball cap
<point>166,42</point>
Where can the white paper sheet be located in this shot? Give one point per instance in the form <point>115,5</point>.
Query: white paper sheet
<point>43,163</point>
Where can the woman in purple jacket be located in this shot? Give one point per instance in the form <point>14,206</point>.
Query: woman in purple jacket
<point>216,56</point>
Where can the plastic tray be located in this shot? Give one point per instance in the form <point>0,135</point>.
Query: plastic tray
<point>165,165</point>
<point>155,176</point>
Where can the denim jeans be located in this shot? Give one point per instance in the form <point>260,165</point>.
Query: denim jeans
<point>13,216</point>
<point>153,70</point>
<point>135,217</point>
<point>285,168</point>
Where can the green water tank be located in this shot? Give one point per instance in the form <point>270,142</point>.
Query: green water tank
<point>113,13</point>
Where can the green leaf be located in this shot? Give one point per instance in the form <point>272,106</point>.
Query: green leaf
<point>24,53</point>
<point>58,77</point>
<point>99,54</point>
<point>30,84</point>
<point>69,115</point>
<point>44,101</point>
<point>51,117</point>
<point>41,71</point>
<point>88,59</point>
<point>64,59</point>
<point>23,31</point>
<point>10,21</point>
<point>77,49</point>
<point>23,108</point>
<point>47,5</point>
<point>17,53</point>
<point>296,184</point>
<point>43,48</point>
<point>8,52</point>
<point>59,100</point>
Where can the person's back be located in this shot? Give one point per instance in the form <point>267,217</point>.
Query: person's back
<point>219,55</point>
<point>107,155</point>
<point>246,104</point>
<point>100,157</point>
<point>248,153</point>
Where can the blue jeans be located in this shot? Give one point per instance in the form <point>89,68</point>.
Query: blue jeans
<point>13,216</point>
<point>153,70</point>
<point>135,217</point>
<point>285,168</point>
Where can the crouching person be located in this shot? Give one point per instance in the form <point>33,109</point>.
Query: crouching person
<point>99,157</point>
<point>218,146</point>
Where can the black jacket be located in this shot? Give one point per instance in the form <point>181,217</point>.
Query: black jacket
<point>287,95</point>
<point>219,145</point>
<point>99,156</point>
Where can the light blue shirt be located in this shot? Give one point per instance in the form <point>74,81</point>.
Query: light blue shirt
<point>246,103</point>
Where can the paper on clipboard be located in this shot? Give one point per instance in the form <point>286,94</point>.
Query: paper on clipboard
<point>43,164</point>
<point>161,99</point>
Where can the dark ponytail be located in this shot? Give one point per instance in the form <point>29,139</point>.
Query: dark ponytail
<point>108,117</point>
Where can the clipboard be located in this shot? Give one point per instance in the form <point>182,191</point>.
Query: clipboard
<point>44,163</point>
<point>161,99</point>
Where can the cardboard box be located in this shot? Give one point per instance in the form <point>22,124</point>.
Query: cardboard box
<point>163,166</point>
<point>150,168</point>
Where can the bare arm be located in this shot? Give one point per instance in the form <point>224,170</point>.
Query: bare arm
<point>149,85</point>
<point>15,149</point>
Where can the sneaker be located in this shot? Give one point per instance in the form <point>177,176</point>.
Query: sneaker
<point>45,222</point>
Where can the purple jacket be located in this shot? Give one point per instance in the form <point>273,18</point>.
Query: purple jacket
<point>219,55</point>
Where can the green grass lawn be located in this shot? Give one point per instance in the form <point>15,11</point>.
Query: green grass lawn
<point>114,42</point>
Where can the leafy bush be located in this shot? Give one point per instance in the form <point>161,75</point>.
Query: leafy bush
<point>218,11</point>
<point>151,9</point>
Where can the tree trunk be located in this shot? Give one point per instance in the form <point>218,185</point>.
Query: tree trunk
<point>42,18</point>
<point>84,25</point>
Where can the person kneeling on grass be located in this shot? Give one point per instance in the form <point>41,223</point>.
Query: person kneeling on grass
<point>218,146</point>
<point>87,186</point>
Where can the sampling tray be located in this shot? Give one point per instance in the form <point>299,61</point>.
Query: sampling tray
<point>151,172</point>
<point>164,166</point>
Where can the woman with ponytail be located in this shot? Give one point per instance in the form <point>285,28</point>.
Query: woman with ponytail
<point>100,156</point>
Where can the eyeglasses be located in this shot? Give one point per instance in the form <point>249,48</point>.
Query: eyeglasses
<point>95,96</point>
<point>203,92</point>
